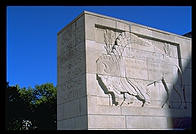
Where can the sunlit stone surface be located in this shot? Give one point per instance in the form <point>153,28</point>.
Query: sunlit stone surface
<point>114,74</point>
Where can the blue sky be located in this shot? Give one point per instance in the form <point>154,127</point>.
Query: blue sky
<point>32,34</point>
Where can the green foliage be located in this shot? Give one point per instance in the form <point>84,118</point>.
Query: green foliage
<point>45,93</point>
<point>37,105</point>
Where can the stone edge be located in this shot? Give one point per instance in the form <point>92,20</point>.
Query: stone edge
<point>123,21</point>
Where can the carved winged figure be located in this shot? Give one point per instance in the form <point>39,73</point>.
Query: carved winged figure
<point>112,73</point>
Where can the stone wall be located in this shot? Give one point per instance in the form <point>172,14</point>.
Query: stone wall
<point>114,74</point>
<point>71,83</point>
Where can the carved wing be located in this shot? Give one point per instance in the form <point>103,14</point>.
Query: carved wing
<point>121,42</point>
<point>109,38</point>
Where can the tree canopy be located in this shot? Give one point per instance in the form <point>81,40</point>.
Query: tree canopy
<point>31,108</point>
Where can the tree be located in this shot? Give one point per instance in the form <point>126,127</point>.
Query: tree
<point>34,105</point>
<point>45,106</point>
<point>16,110</point>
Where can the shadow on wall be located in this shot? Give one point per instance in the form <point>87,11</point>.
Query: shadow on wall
<point>180,99</point>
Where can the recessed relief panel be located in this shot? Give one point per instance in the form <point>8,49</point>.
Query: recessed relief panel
<point>131,70</point>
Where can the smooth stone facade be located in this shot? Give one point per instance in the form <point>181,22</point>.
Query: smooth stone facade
<point>115,74</point>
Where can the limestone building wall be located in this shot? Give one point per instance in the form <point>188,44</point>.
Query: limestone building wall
<point>115,74</point>
<point>71,83</point>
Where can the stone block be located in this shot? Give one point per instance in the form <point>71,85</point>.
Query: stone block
<point>144,111</point>
<point>79,31</point>
<point>181,123</point>
<point>174,112</point>
<point>143,122</point>
<point>106,110</point>
<point>93,52</point>
<point>60,111</point>
<point>90,27</point>
<point>69,124</point>
<point>60,125</point>
<point>81,123</point>
<point>136,69</point>
<point>142,30</point>
<point>99,35</point>
<point>59,95</point>
<point>91,84</point>
<point>77,123</point>
<point>185,46</point>
<point>71,109</point>
<point>154,92</point>
<point>187,76</point>
<point>122,26</point>
<point>187,63</point>
<point>161,35</point>
<point>106,22</point>
<point>185,51</point>
<point>157,103</point>
<point>91,103</point>
<point>173,51</point>
<point>91,66</point>
<point>83,106</point>
<point>154,70</point>
<point>73,89</point>
<point>138,54</point>
<point>106,121</point>
<point>188,93</point>
<point>104,101</point>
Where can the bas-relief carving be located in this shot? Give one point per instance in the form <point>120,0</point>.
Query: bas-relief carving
<point>116,78</point>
